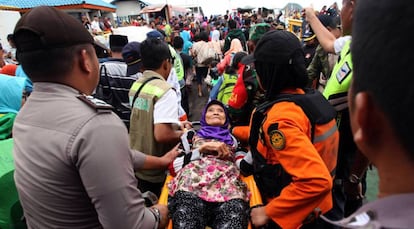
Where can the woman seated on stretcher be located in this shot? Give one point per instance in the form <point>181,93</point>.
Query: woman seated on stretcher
<point>208,190</point>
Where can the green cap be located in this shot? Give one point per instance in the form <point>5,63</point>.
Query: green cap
<point>257,31</point>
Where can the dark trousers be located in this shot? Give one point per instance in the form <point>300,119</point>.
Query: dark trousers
<point>191,212</point>
<point>184,100</point>
<point>342,206</point>
<point>201,73</point>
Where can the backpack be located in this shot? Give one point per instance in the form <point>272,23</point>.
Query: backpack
<point>245,96</point>
<point>207,54</point>
<point>226,88</point>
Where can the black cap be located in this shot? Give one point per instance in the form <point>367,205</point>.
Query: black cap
<point>329,21</point>
<point>117,41</point>
<point>277,47</point>
<point>132,56</point>
<point>54,29</point>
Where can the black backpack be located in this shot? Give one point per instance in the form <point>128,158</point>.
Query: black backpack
<point>114,92</point>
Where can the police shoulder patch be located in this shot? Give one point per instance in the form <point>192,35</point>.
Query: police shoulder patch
<point>277,139</point>
<point>97,104</point>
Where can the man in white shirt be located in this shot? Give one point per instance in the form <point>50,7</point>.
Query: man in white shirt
<point>154,122</point>
<point>96,29</point>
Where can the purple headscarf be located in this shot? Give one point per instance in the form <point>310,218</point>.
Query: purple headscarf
<point>220,133</point>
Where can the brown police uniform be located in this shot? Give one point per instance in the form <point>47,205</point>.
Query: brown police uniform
<point>74,168</point>
<point>395,211</point>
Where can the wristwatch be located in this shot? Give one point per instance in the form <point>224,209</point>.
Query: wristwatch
<point>354,179</point>
<point>157,214</point>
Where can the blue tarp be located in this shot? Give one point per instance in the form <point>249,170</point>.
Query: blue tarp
<point>27,4</point>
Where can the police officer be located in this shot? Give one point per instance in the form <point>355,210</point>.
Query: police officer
<point>379,100</point>
<point>293,138</point>
<point>348,193</point>
<point>74,167</point>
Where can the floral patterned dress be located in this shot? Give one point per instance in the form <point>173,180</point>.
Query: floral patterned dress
<point>210,178</point>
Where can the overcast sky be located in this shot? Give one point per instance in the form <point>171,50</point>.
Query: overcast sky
<point>220,6</point>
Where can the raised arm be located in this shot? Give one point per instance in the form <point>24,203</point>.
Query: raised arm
<point>325,37</point>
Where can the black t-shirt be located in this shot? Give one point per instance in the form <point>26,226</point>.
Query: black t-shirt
<point>187,62</point>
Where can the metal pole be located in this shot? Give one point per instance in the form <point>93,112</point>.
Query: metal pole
<point>198,9</point>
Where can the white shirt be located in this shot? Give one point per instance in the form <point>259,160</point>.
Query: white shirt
<point>173,81</point>
<point>95,26</point>
<point>166,109</point>
<point>340,42</point>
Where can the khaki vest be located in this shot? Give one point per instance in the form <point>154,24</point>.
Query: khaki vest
<point>141,131</point>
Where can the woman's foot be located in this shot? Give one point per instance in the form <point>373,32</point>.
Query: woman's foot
<point>199,90</point>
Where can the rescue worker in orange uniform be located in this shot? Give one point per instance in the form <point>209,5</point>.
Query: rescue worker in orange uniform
<point>293,138</point>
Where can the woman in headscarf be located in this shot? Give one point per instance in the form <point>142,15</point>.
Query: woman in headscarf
<point>235,47</point>
<point>215,39</point>
<point>208,190</point>
<point>187,41</point>
<point>229,78</point>
<point>201,69</point>
<point>11,99</point>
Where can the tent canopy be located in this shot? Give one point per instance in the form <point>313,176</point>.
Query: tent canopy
<point>153,8</point>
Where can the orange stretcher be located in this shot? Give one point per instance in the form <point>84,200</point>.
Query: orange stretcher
<point>255,199</point>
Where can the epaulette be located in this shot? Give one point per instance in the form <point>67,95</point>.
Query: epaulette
<point>97,104</point>
<point>362,220</point>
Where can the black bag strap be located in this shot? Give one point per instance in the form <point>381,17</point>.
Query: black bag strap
<point>103,73</point>
<point>103,83</point>
<point>140,88</point>
<point>315,106</point>
<point>257,120</point>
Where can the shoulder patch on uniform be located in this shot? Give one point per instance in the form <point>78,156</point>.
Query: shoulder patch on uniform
<point>277,139</point>
<point>95,103</point>
<point>343,72</point>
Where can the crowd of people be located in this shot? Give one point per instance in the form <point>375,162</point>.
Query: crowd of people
<point>93,137</point>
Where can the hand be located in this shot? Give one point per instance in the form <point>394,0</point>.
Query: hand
<point>309,13</point>
<point>170,155</point>
<point>219,147</point>
<point>164,215</point>
<point>8,55</point>
<point>258,217</point>
<point>186,125</point>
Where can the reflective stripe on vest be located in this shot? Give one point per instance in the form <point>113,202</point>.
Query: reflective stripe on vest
<point>147,89</point>
<point>337,87</point>
<point>325,135</point>
<point>178,63</point>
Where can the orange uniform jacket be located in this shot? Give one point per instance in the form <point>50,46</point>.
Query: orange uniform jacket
<point>309,164</point>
